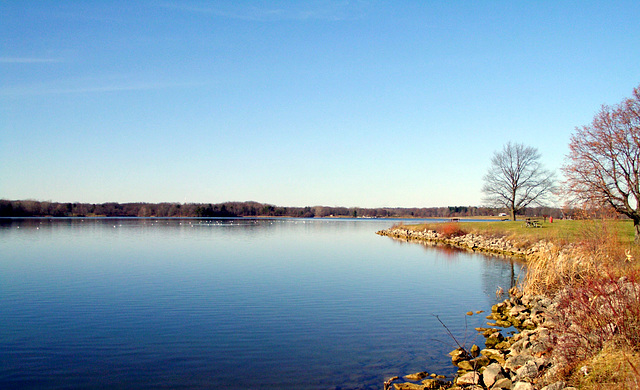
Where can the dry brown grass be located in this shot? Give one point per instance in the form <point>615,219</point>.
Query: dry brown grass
<point>592,267</point>
<point>596,249</point>
<point>595,278</point>
<point>611,368</point>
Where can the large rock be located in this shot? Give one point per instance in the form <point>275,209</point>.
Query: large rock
<point>417,376</point>
<point>473,364</point>
<point>480,361</point>
<point>494,339</point>
<point>542,363</point>
<point>524,335</point>
<point>433,383</point>
<point>458,355</point>
<point>504,323</point>
<point>492,373</point>
<point>408,386</point>
<point>515,362</point>
<point>493,354</point>
<point>518,346</point>
<point>528,371</point>
<point>504,383</point>
<point>542,344</point>
<point>487,332</point>
<point>555,386</point>
<point>516,310</point>
<point>470,378</point>
<point>466,365</point>
<point>523,386</point>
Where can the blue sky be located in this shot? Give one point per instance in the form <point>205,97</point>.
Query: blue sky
<point>297,103</point>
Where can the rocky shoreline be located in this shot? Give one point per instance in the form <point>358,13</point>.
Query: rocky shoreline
<point>473,242</point>
<point>518,362</point>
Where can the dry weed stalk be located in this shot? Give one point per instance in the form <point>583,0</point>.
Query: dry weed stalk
<point>598,312</point>
<point>596,282</point>
<point>597,252</point>
<point>636,372</point>
<point>554,268</point>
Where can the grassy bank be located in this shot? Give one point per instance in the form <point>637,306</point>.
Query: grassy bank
<point>591,268</point>
<point>560,231</point>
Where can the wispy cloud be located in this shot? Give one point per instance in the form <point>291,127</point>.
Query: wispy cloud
<point>266,11</point>
<point>87,85</point>
<point>28,60</point>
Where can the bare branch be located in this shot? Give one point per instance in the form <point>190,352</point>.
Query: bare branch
<point>604,160</point>
<point>516,179</point>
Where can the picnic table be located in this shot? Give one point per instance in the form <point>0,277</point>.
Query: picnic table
<point>532,222</point>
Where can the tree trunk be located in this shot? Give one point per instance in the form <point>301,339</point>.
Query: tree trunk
<point>513,214</point>
<point>636,229</point>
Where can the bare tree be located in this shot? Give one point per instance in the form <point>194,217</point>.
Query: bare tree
<point>516,179</point>
<point>603,165</point>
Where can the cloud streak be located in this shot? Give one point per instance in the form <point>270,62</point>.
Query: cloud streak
<point>28,60</point>
<point>266,11</point>
<point>90,86</point>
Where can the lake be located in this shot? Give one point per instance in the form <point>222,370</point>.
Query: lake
<point>231,303</point>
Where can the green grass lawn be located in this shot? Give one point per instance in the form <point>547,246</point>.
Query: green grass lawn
<point>561,231</point>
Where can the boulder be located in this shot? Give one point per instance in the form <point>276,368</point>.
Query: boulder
<point>542,362</point>
<point>417,376</point>
<point>458,355</point>
<point>518,346</point>
<point>522,386</point>
<point>433,383</point>
<point>528,371</point>
<point>560,385</point>
<point>498,307</point>
<point>515,362</point>
<point>493,340</point>
<point>407,386</point>
<point>504,383</point>
<point>480,361</point>
<point>504,323</point>
<point>492,373</point>
<point>470,378</point>
<point>487,332</point>
<point>517,310</point>
<point>466,365</point>
<point>493,354</point>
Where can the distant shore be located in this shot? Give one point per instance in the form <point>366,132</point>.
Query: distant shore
<point>34,208</point>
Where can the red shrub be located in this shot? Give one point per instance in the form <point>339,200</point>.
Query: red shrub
<point>598,311</point>
<point>451,229</point>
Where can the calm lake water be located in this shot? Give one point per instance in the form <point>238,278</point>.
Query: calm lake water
<point>232,304</point>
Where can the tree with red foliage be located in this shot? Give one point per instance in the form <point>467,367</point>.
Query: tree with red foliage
<point>604,161</point>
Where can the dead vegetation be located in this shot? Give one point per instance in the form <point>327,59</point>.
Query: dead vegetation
<point>591,268</point>
<point>595,278</point>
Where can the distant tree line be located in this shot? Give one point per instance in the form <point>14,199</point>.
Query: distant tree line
<point>32,208</point>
